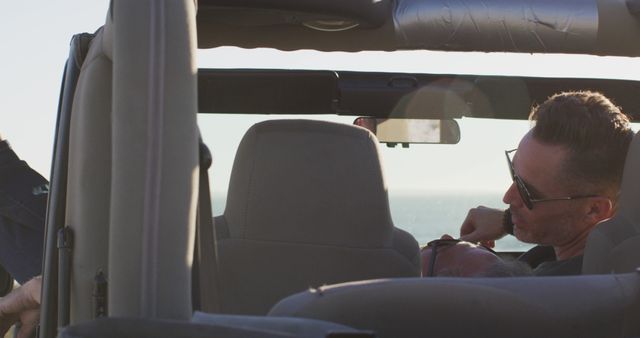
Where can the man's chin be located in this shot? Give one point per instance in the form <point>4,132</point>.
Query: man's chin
<point>523,235</point>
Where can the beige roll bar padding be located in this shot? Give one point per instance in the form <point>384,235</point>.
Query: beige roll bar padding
<point>131,198</point>
<point>155,159</point>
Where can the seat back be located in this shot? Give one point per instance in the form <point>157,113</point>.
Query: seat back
<point>88,187</point>
<point>307,205</point>
<point>576,306</point>
<point>614,245</point>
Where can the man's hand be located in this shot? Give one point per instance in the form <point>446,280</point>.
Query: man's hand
<point>483,225</point>
<point>23,305</point>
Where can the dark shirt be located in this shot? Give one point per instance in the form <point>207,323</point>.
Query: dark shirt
<point>543,261</point>
<point>23,205</point>
<point>565,267</point>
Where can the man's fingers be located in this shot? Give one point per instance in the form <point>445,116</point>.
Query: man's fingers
<point>30,320</point>
<point>472,237</point>
<point>467,227</point>
<point>489,244</point>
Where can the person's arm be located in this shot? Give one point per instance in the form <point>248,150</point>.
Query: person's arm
<point>21,305</point>
<point>484,225</point>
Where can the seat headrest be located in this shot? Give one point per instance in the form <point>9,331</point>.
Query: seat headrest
<point>612,244</point>
<point>310,182</point>
<point>628,206</point>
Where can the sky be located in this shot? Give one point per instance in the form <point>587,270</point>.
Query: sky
<point>34,40</point>
<point>35,36</point>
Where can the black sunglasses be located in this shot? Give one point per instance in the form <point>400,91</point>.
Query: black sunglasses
<point>441,243</point>
<point>524,192</point>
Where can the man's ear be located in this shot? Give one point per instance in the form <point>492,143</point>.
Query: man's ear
<point>600,208</point>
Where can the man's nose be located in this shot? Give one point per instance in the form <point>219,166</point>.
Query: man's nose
<point>512,196</point>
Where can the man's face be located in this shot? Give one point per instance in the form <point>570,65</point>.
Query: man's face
<point>554,223</point>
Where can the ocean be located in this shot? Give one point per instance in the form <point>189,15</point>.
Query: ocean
<point>428,216</point>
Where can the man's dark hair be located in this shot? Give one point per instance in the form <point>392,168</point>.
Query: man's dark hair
<point>595,131</point>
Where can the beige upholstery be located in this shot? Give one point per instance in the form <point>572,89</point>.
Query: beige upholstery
<point>89,176</point>
<point>577,306</point>
<point>154,159</point>
<point>614,245</point>
<point>307,205</point>
<point>132,179</point>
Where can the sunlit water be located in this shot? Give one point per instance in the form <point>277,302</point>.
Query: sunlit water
<point>430,216</point>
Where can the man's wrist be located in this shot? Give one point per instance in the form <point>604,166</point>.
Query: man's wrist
<point>507,224</point>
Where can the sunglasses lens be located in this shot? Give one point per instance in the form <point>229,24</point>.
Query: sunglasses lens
<point>524,194</point>
<point>522,190</point>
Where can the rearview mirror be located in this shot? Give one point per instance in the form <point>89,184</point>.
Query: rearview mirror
<point>407,131</point>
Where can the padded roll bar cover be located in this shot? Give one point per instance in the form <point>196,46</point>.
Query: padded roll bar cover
<point>155,328</point>
<point>580,306</point>
<point>616,24</point>
<point>614,245</point>
<point>497,25</point>
<point>366,12</point>
<point>155,159</point>
<point>296,327</point>
<point>526,26</point>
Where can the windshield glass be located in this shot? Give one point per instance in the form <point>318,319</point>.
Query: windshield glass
<point>431,187</point>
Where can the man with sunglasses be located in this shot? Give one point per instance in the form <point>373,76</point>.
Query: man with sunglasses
<point>566,176</point>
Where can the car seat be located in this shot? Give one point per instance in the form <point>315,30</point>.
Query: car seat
<point>307,205</point>
<point>574,306</point>
<point>613,246</point>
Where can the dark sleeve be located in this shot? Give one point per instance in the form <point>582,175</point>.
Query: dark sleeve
<point>23,203</point>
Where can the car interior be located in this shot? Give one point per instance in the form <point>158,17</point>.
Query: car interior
<point>306,245</point>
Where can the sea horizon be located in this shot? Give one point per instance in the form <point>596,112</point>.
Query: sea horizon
<point>429,215</point>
